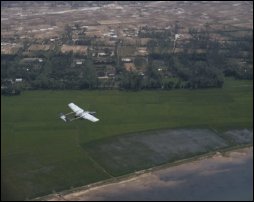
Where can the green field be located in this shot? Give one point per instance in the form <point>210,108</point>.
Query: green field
<point>41,154</point>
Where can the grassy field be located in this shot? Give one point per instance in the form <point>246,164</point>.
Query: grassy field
<point>41,154</point>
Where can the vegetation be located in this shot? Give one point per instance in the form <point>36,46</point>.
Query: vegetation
<point>203,62</point>
<point>41,154</point>
<point>11,90</point>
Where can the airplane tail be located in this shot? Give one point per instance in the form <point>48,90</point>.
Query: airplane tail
<point>63,117</point>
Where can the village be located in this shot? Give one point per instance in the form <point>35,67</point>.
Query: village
<point>113,36</point>
<point>126,100</point>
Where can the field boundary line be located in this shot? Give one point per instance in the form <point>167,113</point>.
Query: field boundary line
<point>97,164</point>
<point>89,156</point>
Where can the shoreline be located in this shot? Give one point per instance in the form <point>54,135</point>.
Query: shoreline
<point>87,192</point>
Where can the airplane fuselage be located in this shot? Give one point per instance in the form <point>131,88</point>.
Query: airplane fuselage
<point>79,113</point>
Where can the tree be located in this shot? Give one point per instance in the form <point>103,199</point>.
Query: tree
<point>130,80</point>
<point>89,79</point>
<point>67,35</point>
<point>11,90</point>
<point>153,77</point>
<point>204,77</point>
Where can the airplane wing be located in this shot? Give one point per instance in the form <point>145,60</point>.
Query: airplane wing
<point>89,117</point>
<point>75,108</point>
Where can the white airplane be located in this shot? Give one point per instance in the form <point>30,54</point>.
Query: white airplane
<point>79,113</point>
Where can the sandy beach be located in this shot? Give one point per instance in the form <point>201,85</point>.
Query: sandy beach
<point>220,177</point>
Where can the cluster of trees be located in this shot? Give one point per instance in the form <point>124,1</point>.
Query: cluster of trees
<point>136,81</point>
<point>204,62</point>
<point>196,75</point>
<point>11,90</point>
<point>57,72</point>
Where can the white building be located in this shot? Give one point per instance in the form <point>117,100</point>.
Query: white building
<point>18,80</point>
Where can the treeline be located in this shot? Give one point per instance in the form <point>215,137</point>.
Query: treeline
<point>194,75</point>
